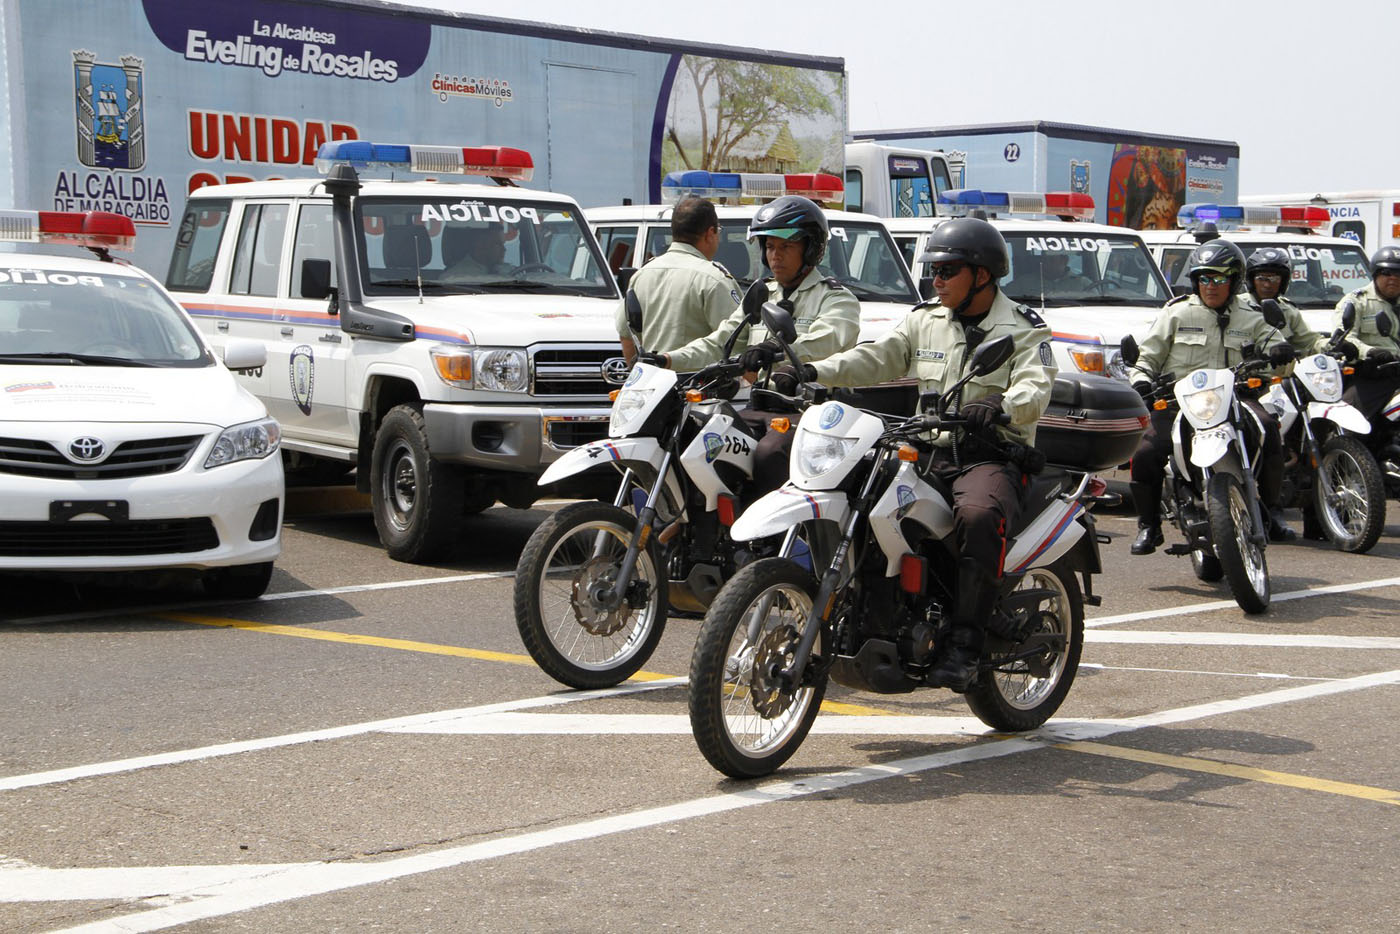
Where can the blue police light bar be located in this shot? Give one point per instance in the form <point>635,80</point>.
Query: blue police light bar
<point>490,161</point>
<point>748,187</point>
<point>717,186</point>
<point>962,201</point>
<point>1234,216</point>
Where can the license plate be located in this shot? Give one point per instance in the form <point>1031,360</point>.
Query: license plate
<point>64,510</point>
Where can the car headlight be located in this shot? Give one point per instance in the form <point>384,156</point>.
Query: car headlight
<point>1116,367</point>
<point>816,454</point>
<point>1203,405</point>
<point>629,404</point>
<point>1325,385</point>
<point>247,441</point>
<point>502,370</point>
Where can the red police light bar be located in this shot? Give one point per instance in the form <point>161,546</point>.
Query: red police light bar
<point>1069,204</point>
<point>1303,215</point>
<point>93,229</point>
<point>491,161</point>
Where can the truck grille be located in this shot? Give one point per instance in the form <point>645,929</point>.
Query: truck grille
<point>80,539</point>
<point>573,434</point>
<point>31,458</point>
<point>574,371</point>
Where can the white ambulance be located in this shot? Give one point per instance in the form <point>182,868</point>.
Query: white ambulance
<point>1091,283</point>
<point>447,341</point>
<point>1369,217</point>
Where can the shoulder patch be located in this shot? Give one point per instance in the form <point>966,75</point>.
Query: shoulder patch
<point>1179,298</point>
<point>720,266</point>
<point>834,283</point>
<point>1032,316</point>
<point>1047,356</point>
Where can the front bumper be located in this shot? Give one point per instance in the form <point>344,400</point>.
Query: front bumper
<point>522,439</point>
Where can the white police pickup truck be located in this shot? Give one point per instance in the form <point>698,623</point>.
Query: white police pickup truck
<point>447,341</point>
<point>125,445</point>
<point>1091,283</point>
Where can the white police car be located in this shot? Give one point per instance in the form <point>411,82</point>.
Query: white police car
<point>125,444</point>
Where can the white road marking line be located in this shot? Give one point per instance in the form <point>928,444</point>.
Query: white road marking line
<point>312,736</point>
<point>547,724</point>
<point>1189,609</point>
<point>1256,639</point>
<point>1195,671</point>
<point>299,881</point>
<point>30,883</point>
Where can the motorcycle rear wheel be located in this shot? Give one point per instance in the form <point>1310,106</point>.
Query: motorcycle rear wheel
<point>745,724</point>
<point>1349,495</point>
<point>1011,698</point>
<point>1246,568</point>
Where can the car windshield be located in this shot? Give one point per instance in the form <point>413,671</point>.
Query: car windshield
<point>476,245</point>
<point>64,316</point>
<point>1091,269</point>
<point>859,255</point>
<point>1321,274</point>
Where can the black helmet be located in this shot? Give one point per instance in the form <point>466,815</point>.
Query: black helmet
<point>971,240</point>
<point>1269,259</point>
<point>788,218</point>
<point>1387,257</point>
<point>1219,256</point>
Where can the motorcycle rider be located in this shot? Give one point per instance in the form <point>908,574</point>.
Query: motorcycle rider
<point>1206,328</point>
<point>792,232</point>
<point>1267,273</point>
<point>984,466</point>
<point>684,293</point>
<point>1373,387</point>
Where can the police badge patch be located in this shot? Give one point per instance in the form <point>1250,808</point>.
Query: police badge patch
<point>1047,356</point>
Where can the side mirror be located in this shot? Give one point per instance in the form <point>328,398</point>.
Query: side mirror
<point>754,300</point>
<point>315,278</point>
<point>1129,349</point>
<point>1383,325</point>
<point>1248,351</point>
<point>1348,317</point>
<point>241,354</point>
<point>634,313</point>
<point>624,277</point>
<point>777,319</point>
<point>991,356</point>
<point>926,287</point>
<point>1273,314</point>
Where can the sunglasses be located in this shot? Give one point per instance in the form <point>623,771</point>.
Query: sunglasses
<point>1213,280</point>
<point>948,271</point>
<point>1392,273</point>
<point>1267,277</point>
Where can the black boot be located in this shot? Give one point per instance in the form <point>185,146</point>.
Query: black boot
<point>977,594</point>
<point>1147,499</point>
<point>1278,532</point>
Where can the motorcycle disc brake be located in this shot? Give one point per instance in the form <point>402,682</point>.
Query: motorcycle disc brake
<point>773,654</point>
<point>595,619</point>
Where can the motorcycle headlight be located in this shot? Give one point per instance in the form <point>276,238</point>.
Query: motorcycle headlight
<point>502,370</point>
<point>816,454</point>
<point>630,404</point>
<point>1325,385</point>
<point>1203,405</point>
<point>247,441</point>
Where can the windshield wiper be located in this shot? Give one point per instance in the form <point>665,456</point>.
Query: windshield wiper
<point>85,359</point>
<point>515,283</point>
<point>428,285</point>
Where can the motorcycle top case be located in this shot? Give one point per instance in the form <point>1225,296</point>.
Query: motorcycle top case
<point>1092,422</point>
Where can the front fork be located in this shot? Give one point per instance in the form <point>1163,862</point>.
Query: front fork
<point>610,597</point>
<point>1257,534</point>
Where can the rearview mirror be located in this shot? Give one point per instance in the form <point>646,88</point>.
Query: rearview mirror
<point>315,278</point>
<point>754,300</point>
<point>634,313</point>
<point>1129,349</point>
<point>1273,314</point>
<point>926,287</point>
<point>990,356</point>
<point>778,319</point>
<point>241,354</point>
<point>624,277</point>
<point>1348,317</point>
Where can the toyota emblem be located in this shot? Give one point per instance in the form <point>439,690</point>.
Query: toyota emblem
<point>86,449</point>
<point>615,371</point>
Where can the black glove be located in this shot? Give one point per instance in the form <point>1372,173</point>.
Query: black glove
<point>1281,353</point>
<point>980,414</point>
<point>1379,355</point>
<point>1143,388</point>
<point>1349,351</point>
<point>653,359</point>
<point>784,378</point>
<point>760,355</point>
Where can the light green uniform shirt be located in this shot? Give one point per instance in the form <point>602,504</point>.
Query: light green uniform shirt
<point>935,344</point>
<point>1188,336</point>
<point>1369,308</point>
<point>825,312</point>
<point>683,296</point>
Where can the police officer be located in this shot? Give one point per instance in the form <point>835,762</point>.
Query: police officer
<point>1207,328</point>
<point>1375,386</point>
<point>966,256</point>
<point>684,293</point>
<point>1267,273</point>
<point>792,232</point>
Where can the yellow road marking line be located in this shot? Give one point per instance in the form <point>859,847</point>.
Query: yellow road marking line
<point>1249,773</point>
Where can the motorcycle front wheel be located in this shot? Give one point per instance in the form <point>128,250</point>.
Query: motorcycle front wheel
<point>1246,568</point>
<point>745,721</point>
<point>1349,495</point>
<point>570,635</point>
<point>1022,695</point>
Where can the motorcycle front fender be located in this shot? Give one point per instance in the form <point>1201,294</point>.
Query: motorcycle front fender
<point>1343,415</point>
<point>626,452</point>
<point>1211,444</point>
<point>774,513</point>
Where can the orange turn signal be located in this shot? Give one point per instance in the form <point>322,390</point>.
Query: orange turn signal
<point>694,395</point>
<point>1160,405</point>
<point>1254,382</point>
<point>780,425</point>
<point>612,396</point>
<point>908,453</point>
<point>1348,370</point>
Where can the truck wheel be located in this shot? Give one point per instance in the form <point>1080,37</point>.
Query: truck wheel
<point>417,501</point>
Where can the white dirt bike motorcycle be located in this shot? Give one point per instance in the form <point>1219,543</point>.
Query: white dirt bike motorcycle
<point>1387,455</point>
<point>1329,473</point>
<point>595,582</point>
<point>882,540</point>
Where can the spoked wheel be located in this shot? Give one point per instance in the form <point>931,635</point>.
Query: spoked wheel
<point>1246,570</point>
<point>745,721</point>
<point>1022,695</point>
<point>566,625</point>
<point>1349,495</point>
